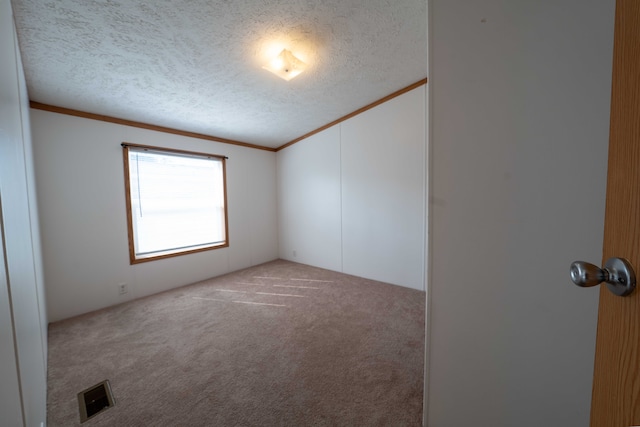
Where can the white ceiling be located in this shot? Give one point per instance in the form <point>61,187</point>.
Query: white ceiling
<point>196,65</point>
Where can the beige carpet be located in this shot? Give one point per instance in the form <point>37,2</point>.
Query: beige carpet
<point>280,344</point>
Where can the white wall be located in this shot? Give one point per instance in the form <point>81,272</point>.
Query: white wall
<point>351,198</point>
<point>22,314</point>
<point>309,202</point>
<point>82,204</point>
<point>519,95</point>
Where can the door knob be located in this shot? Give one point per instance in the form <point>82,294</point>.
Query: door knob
<point>617,273</point>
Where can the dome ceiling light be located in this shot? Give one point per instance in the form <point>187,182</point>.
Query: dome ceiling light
<point>285,65</point>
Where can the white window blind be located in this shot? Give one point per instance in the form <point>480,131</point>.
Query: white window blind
<point>177,202</point>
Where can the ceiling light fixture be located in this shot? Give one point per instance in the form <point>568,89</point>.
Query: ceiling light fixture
<point>285,65</point>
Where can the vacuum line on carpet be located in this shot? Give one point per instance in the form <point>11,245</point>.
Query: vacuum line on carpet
<point>240,302</point>
<point>281,295</point>
<point>260,303</point>
<point>297,287</point>
<point>267,277</point>
<point>313,280</point>
<point>231,290</point>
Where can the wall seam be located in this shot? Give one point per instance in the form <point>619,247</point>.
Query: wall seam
<point>341,210</point>
<point>428,244</point>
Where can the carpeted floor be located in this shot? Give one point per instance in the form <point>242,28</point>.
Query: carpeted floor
<point>280,344</point>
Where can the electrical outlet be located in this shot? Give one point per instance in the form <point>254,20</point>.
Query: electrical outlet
<point>295,253</point>
<point>123,288</point>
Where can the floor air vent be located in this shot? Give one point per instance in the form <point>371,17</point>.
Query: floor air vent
<point>94,400</point>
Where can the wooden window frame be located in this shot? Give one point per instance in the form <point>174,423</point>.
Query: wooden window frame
<point>127,183</point>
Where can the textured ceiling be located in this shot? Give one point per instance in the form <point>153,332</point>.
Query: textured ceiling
<point>196,65</point>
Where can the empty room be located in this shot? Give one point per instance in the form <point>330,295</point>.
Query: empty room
<point>291,213</point>
<point>306,176</point>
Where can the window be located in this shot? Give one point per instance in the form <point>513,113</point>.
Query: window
<point>176,202</point>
